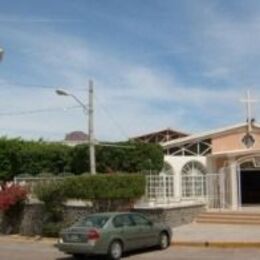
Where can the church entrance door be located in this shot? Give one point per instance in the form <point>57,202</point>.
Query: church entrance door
<point>250,186</point>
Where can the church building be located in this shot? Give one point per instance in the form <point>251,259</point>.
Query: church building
<point>220,168</point>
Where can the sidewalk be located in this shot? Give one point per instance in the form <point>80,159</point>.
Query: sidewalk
<point>217,235</point>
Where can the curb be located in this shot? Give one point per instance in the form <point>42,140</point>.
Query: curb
<point>25,239</point>
<point>216,244</point>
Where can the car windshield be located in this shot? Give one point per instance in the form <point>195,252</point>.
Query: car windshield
<point>92,221</point>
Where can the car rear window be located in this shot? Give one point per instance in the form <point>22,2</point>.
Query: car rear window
<point>92,221</point>
<point>122,221</point>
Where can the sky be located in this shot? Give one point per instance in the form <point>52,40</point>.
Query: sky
<point>155,64</point>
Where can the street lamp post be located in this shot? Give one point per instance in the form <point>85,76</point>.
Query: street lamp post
<point>92,156</point>
<point>1,53</point>
<point>89,111</point>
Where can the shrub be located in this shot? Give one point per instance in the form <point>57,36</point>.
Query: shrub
<point>11,196</point>
<point>52,229</point>
<point>118,186</point>
<point>52,194</point>
<point>11,204</point>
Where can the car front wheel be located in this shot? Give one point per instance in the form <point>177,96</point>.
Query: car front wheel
<point>115,250</point>
<point>164,241</point>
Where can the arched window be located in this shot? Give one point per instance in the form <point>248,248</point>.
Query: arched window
<point>193,180</point>
<point>193,168</point>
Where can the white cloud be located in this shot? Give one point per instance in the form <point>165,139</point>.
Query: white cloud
<point>136,98</point>
<point>225,44</point>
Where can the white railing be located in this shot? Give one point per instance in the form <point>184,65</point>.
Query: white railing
<point>160,188</point>
<point>212,189</point>
<point>194,187</point>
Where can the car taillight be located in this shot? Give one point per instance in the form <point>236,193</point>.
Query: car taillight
<point>93,234</point>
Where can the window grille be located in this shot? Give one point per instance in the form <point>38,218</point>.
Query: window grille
<point>160,188</point>
<point>193,180</point>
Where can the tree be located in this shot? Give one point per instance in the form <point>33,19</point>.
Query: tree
<point>33,157</point>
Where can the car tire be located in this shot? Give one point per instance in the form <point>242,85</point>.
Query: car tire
<point>164,241</point>
<point>79,256</point>
<point>115,250</point>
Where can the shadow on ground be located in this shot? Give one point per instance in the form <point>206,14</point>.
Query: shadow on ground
<point>125,256</point>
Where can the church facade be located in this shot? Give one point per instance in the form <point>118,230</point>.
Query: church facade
<point>220,168</point>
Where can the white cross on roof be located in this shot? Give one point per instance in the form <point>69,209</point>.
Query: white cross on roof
<point>249,101</point>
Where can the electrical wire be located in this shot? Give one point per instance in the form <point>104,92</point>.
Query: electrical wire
<point>111,117</point>
<point>37,111</point>
<point>32,85</point>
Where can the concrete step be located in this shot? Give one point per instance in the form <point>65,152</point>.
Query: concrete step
<point>246,218</point>
<point>230,222</point>
<point>228,213</point>
<point>253,217</point>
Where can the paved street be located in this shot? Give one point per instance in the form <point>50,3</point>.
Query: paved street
<point>13,250</point>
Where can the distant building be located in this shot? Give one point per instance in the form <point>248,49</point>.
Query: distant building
<point>75,138</point>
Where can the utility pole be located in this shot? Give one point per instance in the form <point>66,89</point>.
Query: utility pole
<point>92,157</point>
<point>88,111</point>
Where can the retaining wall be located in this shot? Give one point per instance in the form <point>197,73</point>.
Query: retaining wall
<point>33,216</point>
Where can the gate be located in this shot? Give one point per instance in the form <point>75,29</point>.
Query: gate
<point>219,188</point>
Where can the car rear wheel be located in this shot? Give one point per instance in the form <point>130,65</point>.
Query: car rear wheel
<point>78,256</point>
<point>115,250</point>
<point>164,240</point>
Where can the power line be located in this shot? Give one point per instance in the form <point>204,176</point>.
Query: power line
<point>37,111</point>
<point>112,119</point>
<point>35,85</point>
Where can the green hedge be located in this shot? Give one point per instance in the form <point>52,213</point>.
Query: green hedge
<point>105,187</point>
<point>98,187</point>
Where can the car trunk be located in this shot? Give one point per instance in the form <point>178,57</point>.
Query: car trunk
<point>75,235</point>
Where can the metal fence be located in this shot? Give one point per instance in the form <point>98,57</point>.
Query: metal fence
<point>194,186</point>
<point>219,189</point>
<point>160,188</point>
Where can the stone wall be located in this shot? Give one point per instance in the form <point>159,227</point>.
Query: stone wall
<point>34,215</point>
<point>175,216</point>
<point>33,218</point>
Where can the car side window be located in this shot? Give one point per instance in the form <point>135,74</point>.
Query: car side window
<point>140,220</point>
<point>122,221</point>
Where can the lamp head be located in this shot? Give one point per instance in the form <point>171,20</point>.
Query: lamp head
<point>62,92</point>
